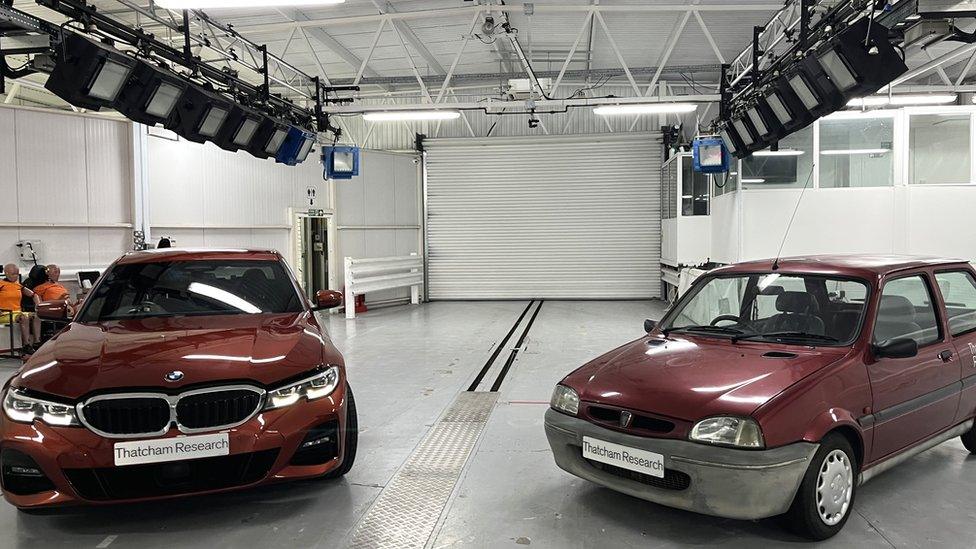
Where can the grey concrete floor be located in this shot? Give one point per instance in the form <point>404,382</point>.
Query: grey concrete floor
<point>406,365</point>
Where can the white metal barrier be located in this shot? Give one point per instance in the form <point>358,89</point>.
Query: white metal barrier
<point>382,273</point>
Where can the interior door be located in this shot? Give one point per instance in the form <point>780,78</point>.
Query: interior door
<point>958,288</point>
<point>916,397</point>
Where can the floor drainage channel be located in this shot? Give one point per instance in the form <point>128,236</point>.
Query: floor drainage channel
<point>407,511</point>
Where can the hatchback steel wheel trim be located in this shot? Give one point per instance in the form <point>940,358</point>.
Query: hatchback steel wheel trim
<point>835,485</point>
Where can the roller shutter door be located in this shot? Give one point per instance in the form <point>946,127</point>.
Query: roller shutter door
<point>544,217</point>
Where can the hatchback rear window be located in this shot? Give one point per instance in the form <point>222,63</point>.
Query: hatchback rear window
<point>192,288</point>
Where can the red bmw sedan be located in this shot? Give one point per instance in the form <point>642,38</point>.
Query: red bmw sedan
<point>185,372</point>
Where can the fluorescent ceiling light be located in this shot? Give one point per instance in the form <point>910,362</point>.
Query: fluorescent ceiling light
<point>396,116</point>
<point>781,152</point>
<point>903,100</point>
<point>211,4</point>
<point>753,181</point>
<point>645,108</point>
<point>854,151</point>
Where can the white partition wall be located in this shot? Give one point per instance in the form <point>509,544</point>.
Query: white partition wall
<point>202,195</point>
<point>883,182</point>
<point>66,182</point>
<point>378,213</point>
<point>544,217</point>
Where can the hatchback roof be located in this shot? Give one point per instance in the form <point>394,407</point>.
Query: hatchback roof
<point>844,264</point>
<point>200,254</point>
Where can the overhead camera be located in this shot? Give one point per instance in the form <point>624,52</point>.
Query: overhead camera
<point>533,122</point>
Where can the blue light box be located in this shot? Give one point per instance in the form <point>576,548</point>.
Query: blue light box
<point>296,147</point>
<point>341,162</point>
<point>710,155</point>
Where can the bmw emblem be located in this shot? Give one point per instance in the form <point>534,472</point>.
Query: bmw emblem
<point>173,377</point>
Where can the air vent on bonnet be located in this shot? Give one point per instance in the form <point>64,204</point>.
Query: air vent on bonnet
<point>779,354</point>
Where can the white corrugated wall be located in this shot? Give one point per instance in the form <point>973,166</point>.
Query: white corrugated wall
<point>65,182</point>
<point>544,217</point>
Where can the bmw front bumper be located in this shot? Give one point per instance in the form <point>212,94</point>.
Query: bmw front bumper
<point>723,482</point>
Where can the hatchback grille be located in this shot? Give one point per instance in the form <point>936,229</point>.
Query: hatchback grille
<point>205,410</point>
<point>639,422</point>
<point>673,480</point>
<point>128,416</point>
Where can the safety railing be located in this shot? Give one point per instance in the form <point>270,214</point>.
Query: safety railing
<point>382,273</point>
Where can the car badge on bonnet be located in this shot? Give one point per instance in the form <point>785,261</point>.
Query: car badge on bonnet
<point>173,377</point>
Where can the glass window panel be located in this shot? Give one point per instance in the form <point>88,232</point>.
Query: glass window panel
<point>907,311</point>
<point>856,152</point>
<point>939,149</point>
<point>789,168</point>
<point>694,189</point>
<point>959,293</point>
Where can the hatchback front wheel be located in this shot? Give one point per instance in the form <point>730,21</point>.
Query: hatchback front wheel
<point>826,496</point>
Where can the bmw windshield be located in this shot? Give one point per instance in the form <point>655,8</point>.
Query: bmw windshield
<point>790,308</point>
<point>192,288</point>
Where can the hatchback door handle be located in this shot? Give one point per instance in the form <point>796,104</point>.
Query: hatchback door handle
<point>946,356</point>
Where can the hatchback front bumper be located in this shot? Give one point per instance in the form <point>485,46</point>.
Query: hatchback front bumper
<point>724,482</point>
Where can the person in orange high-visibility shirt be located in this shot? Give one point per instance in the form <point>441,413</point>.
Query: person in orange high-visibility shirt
<point>11,293</point>
<point>52,290</point>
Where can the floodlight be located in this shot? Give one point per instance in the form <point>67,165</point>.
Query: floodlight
<point>151,95</point>
<point>341,162</point>
<point>860,60</point>
<point>267,138</point>
<point>296,148</point>
<point>89,74</point>
<point>200,114</point>
<point>239,128</point>
<point>801,87</point>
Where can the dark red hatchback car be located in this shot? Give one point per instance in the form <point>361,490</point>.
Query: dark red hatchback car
<point>775,388</point>
<point>184,372</point>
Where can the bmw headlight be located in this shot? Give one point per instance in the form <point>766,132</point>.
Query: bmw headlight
<point>728,431</point>
<point>24,409</point>
<point>315,387</point>
<point>565,400</point>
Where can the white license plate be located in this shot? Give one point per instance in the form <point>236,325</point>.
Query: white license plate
<point>628,458</point>
<point>171,449</point>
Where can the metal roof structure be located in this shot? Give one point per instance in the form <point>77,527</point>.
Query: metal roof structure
<point>436,51</point>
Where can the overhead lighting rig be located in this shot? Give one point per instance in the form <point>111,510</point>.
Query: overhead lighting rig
<point>844,55</point>
<point>97,62</point>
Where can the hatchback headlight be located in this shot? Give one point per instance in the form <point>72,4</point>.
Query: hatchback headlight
<point>315,387</point>
<point>24,409</point>
<point>728,431</point>
<point>565,400</point>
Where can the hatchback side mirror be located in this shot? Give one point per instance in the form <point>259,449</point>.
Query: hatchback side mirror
<point>327,299</point>
<point>649,325</point>
<point>897,348</point>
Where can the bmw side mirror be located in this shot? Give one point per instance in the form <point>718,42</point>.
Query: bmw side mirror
<point>897,348</point>
<point>649,325</point>
<point>327,299</point>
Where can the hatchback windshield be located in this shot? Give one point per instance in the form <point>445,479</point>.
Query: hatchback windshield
<point>192,288</point>
<point>806,309</point>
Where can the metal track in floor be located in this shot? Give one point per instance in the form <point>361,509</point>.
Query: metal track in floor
<point>407,511</point>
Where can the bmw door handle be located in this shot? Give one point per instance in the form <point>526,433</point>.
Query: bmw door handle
<point>946,356</point>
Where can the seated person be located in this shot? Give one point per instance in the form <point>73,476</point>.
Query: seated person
<point>52,290</point>
<point>11,294</point>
